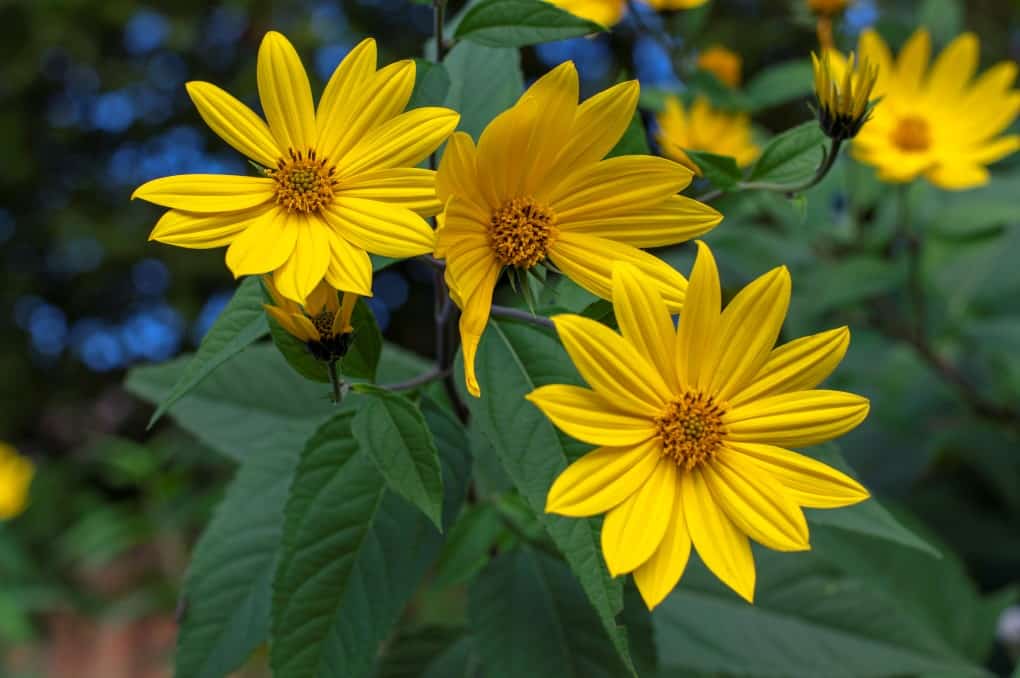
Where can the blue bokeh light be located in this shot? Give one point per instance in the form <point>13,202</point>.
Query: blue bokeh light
<point>328,57</point>
<point>860,15</point>
<point>145,31</point>
<point>151,277</point>
<point>47,326</point>
<point>153,333</point>
<point>210,312</point>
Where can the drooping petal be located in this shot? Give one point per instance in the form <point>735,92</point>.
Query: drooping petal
<point>323,298</point>
<point>349,269</point>
<point>723,548</point>
<point>285,93</point>
<point>633,531</point>
<point>458,172</point>
<point>235,123</point>
<point>660,574</point>
<point>207,192</point>
<point>403,141</point>
<point>796,419</point>
<point>458,224</point>
<point>807,481</point>
<point>677,219</point>
<point>202,231</point>
<point>589,417</point>
<point>645,321</point>
<point>796,366</point>
<point>342,321</point>
<point>345,86</point>
<point>612,367</point>
<point>588,261</point>
<point>474,317</point>
<point>407,187</point>
<point>602,479</point>
<point>597,127</point>
<point>758,505</point>
<point>699,321</point>
<point>307,264</point>
<point>380,228</point>
<point>263,246</point>
<point>290,323</point>
<point>748,330</point>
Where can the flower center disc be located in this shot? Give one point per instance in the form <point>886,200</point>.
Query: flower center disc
<point>521,231</point>
<point>303,182</point>
<point>324,323</point>
<point>691,430</point>
<point>912,135</point>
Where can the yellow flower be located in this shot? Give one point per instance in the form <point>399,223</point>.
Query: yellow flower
<point>723,63</point>
<point>692,424</point>
<point>324,323</point>
<point>827,7</point>
<point>843,89</point>
<point>702,128</point>
<point>609,12</point>
<point>536,188</point>
<point>938,122</point>
<point>339,181</point>
<point>15,478</point>
<point>675,4</point>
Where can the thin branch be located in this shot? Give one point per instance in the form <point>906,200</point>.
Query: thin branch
<point>420,380</point>
<point>518,314</point>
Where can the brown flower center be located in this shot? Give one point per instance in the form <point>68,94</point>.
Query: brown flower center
<point>324,323</point>
<point>912,134</point>
<point>304,183</point>
<point>520,232</point>
<point>691,429</point>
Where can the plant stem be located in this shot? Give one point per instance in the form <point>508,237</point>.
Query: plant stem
<point>438,20</point>
<point>518,314</point>
<point>415,382</point>
<point>334,381</point>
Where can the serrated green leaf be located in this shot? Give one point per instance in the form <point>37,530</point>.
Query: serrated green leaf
<point>529,618</point>
<point>721,170</point>
<point>484,82</point>
<point>392,430</point>
<point>468,545</point>
<point>791,156</point>
<point>242,323</point>
<point>779,84</point>
<point>416,649</point>
<point>518,23</point>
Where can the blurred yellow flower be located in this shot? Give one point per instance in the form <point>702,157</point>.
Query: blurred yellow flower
<point>703,128</point>
<point>692,425</point>
<point>15,479</point>
<point>938,122</point>
<point>536,188</point>
<point>609,12</point>
<point>723,63</point>
<point>323,323</point>
<point>338,182</point>
<point>843,89</point>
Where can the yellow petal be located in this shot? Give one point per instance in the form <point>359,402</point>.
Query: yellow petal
<point>285,94</point>
<point>554,97</point>
<point>342,321</point>
<point>403,141</point>
<point>616,187</point>
<point>796,419</point>
<point>16,473</point>
<point>458,224</point>
<point>757,504</point>
<point>957,176</point>
<point>588,261</point>
<point>379,228</point>
<point>407,187</point>
<point>723,548</point>
<point>912,62</point>
<point>872,48</point>
<point>659,575</point>
<point>458,172</point>
<point>612,366</point>
<point>498,156</point>
<point>597,127</point>
<point>202,231</point>
<point>323,298</point>
<point>807,481</point>
<point>288,322</point>
<point>699,322</point>
<point>306,266</point>
<point>796,366</point>
<point>677,219</point>
<point>953,69</point>
<point>645,321</point>
<point>349,269</point>
<point>235,123</point>
<point>475,316</point>
<point>349,79</point>
<point>748,330</point>
<point>994,150</point>
<point>263,246</point>
<point>589,417</point>
<point>207,192</point>
<point>602,479</point>
<point>633,531</point>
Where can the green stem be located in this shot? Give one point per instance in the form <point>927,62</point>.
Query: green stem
<point>334,381</point>
<point>518,314</point>
<point>438,20</point>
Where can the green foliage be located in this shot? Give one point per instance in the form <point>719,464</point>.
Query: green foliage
<point>779,84</point>
<point>485,81</point>
<point>721,170</point>
<point>634,141</point>
<point>518,23</point>
<point>791,156</point>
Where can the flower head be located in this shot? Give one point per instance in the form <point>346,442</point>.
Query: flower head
<point>323,323</point>
<point>337,181</point>
<point>16,474</point>
<point>692,425</point>
<point>609,12</point>
<point>939,122</point>
<point>843,88</point>
<point>537,190</point>
<point>703,128</point>
<point>723,63</point>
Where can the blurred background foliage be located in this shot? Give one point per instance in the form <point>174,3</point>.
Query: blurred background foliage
<point>94,105</point>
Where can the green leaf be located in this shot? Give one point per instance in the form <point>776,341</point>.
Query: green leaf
<point>944,18</point>
<point>842,283</point>
<point>513,359</point>
<point>353,554</point>
<point>484,82</point>
<point>529,618</point>
<point>469,544</point>
<point>393,431</point>
<point>791,156</point>
<point>255,405</point>
<point>227,593</point>
<point>417,649</point>
<point>431,85</point>
<point>807,620</point>
<point>242,323</point>
<point>779,84</point>
<point>519,23</point>
<point>721,170</point>
<point>454,451</point>
<point>634,141</point>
